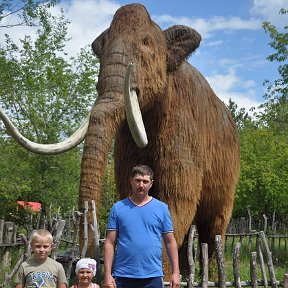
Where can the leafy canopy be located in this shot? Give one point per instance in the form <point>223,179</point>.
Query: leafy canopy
<point>47,95</point>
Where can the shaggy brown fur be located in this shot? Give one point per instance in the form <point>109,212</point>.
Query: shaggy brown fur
<point>193,145</point>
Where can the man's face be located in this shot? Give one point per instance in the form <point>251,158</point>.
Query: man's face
<point>141,184</point>
<point>41,246</point>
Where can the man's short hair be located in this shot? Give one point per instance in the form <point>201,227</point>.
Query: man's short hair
<point>41,233</point>
<point>142,170</point>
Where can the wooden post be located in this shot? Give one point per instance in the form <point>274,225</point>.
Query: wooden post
<point>60,225</point>
<point>190,256</point>
<point>2,223</point>
<point>9,232</point>
<point>286,281</point>
<point>8,277</point>
<point>250,221</point>
<point>204,248</point>
<point>265,223</point>
<point>269,260</point>
<point>262,265</point>
<point>220,262</point>
<point>6,259</point>
<point>8,239</point>
<point>96,232</point>
<point>285,248</point>
<point>85,223</point>
<point>253,269</point>
<point>236,265</point>
<point>77,216</point>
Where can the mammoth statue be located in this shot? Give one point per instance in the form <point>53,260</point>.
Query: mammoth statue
<point>189,139</point>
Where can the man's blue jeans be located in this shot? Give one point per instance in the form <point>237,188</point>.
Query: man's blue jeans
<point>154,282</point>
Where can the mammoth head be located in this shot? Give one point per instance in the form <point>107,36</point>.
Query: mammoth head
<point>134,37</point>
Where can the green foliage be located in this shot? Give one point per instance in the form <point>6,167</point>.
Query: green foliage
<point>264,141</point>
<point>241,117</point>
<point>47,95</point>
<point>264,170</point>
<point>24,11</point>
<point>279,42</point>
<point>275,109</point>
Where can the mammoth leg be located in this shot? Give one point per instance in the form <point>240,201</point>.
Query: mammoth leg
<point>174,185</point>
<point>213,215</point>
<point>182,214</point>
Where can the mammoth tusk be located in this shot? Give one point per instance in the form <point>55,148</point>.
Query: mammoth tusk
<point>47,149</point>
<point>133,112</point>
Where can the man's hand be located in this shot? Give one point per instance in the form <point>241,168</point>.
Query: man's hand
<point>109,282</point>
<point>175,280</point>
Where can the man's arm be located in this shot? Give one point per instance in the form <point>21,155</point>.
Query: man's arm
<point>19,285</point>
<point>63,285</point>
<point>109,247</point>
<point>172,252</point>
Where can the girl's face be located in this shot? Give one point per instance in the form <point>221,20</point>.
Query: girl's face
<point>85,275</point>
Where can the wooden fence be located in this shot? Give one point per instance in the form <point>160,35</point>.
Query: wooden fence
<point>263,253</point>
<point>63,231</point>
<point>270,225</point>
<point>274,229</point>
<point>66,233</point>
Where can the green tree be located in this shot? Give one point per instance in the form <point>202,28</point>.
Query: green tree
<point>241,117</point>
<point>275,113</point>
<point>22,12</point>
<point>47,95</point>
<point>279,42</point>
<point>264,171</point>
<point>264,145</point>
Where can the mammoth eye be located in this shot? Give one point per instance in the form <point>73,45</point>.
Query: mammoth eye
<point>147,41</point>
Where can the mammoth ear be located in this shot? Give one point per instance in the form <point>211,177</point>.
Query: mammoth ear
<point>181,42</point>
<point>98,43</point>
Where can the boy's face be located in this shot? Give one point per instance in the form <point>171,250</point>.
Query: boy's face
<point>41,246</point>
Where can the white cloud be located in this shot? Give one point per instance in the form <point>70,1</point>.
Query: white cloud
<point>268,10</point>
<point>89,19</point>
<point>206,26</point>
<point>229,86</point>
<point>214,43</point>
<point>15,33</point>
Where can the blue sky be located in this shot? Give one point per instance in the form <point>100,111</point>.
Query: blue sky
<point>232,54</point>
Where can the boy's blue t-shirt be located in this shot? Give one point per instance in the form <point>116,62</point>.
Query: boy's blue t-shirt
<point>139,242</point>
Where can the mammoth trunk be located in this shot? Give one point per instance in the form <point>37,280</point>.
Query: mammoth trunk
<point>103,123</point>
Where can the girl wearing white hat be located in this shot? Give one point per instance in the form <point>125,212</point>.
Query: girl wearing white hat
<point>85,271</point>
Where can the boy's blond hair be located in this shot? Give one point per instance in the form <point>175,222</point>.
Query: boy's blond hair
<point>41,233</point>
